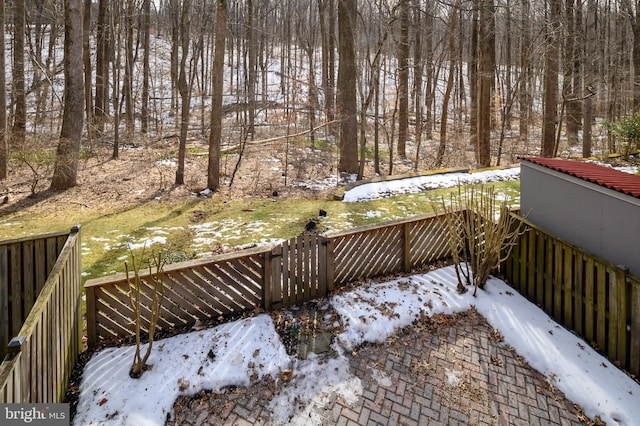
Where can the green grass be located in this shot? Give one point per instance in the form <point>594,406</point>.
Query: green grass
<point>106,234</point>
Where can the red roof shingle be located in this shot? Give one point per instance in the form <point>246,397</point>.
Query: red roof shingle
<point>604,176</point>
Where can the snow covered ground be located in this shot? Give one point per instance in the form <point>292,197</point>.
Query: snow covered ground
<point>231,353</point>
<point>390,188</point>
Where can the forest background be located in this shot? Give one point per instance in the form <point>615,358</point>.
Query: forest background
<point>117,103</point>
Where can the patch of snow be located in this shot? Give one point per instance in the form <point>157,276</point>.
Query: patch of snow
<point>372,214</point>
<point>207,359</point>
<point>172,162</point>
<point>453,376</point>
<point>383,189</point>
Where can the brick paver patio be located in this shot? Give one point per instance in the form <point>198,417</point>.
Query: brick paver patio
<point>445,370</point>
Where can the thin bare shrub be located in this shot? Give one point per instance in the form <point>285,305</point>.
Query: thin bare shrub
<point>481,233</point>
<point>153,280</point>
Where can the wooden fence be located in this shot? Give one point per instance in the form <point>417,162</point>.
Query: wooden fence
<point>43,351</point>
<point>595,298</point>
<point>303,268</point>
<point>25,264</point>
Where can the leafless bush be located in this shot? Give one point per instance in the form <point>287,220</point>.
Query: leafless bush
<point>155,281</point>
<point>481,234</point>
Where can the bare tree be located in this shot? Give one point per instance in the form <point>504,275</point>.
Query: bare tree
<point>184,88</point>
<point>346,96</point>
<point>252,68</point>
<point>551,80</point>
<point>86,62</point>
<point>403,79</point>
<point>486,67</point>
<point>127,85</point>
<point>472,67</point>
<point>572,83</point>
<point>102,65</point>
<point>4,146</point>
<point>18,91</point>
<point>66,165</point>
<point>589,75</point>
<point>453,18</point>
<point>215,137</point>
<point>524,92</point>
<point>146,46</point>
<point>418,69</point>
<point>633,17</point>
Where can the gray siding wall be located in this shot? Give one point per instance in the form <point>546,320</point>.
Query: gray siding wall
<point>602,221</point>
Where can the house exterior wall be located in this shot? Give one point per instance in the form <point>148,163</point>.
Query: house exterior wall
<point>602,221</point>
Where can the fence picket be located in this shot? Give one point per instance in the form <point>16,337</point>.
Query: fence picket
<point>567,280</point>
<point>594,298</point>
<point>539,266</point>
<point>601,301</point>
<point>634,320</point>
<point>50,332</point>
<point>589,300</point>
<point>578,300</point>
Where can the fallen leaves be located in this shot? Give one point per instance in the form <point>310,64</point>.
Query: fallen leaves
<point>495,360</point>
<point>496,335</point>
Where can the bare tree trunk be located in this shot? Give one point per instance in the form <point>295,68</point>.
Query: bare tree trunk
<point>174,10</point>
<point>252,54</point>
<point>17,75</point>
<point>589,77</point>
<point>418,67</point>
<point>524,93</point>
<point>66,164</point>
<point>571,80</point>
<point>127,87</point>
<point>486,67</point>
<point>507,63</point>
<point>346,96</point>
<point>86,61</point>
<point>215,138</point>
<point>102,65</point>
<point>37,38</point>
<point>634,21</point>
<point>116,48</point>
<point>403,79</point>
<point>330,94</point>
<point>428,99</point>
<point>183,88</point>
<point>324,42</point>
<point>146,45</point>
<point>473,76</point>
<point>4,146</point>
<point>551,80</point>
<point>453,17</point>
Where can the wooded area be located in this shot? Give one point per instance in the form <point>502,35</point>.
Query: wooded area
<point>365,75</point>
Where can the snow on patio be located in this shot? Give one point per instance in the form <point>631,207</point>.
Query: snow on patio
<point>230,354</point>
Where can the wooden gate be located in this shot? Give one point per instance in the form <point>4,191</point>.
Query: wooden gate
<point>298,271</point>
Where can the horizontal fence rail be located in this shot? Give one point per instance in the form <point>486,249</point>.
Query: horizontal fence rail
<point>25,264</point>
<point>305,267</point>
<point>598,300</point>
<point>44,350</point>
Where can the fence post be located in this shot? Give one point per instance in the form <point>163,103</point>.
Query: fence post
<point>266,281</point>
<point>329,265</point>
<point>92,334</point>
<point>406,247</point>
<point>622,297</point>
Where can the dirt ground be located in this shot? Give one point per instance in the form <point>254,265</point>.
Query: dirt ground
<point>146,170</point>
